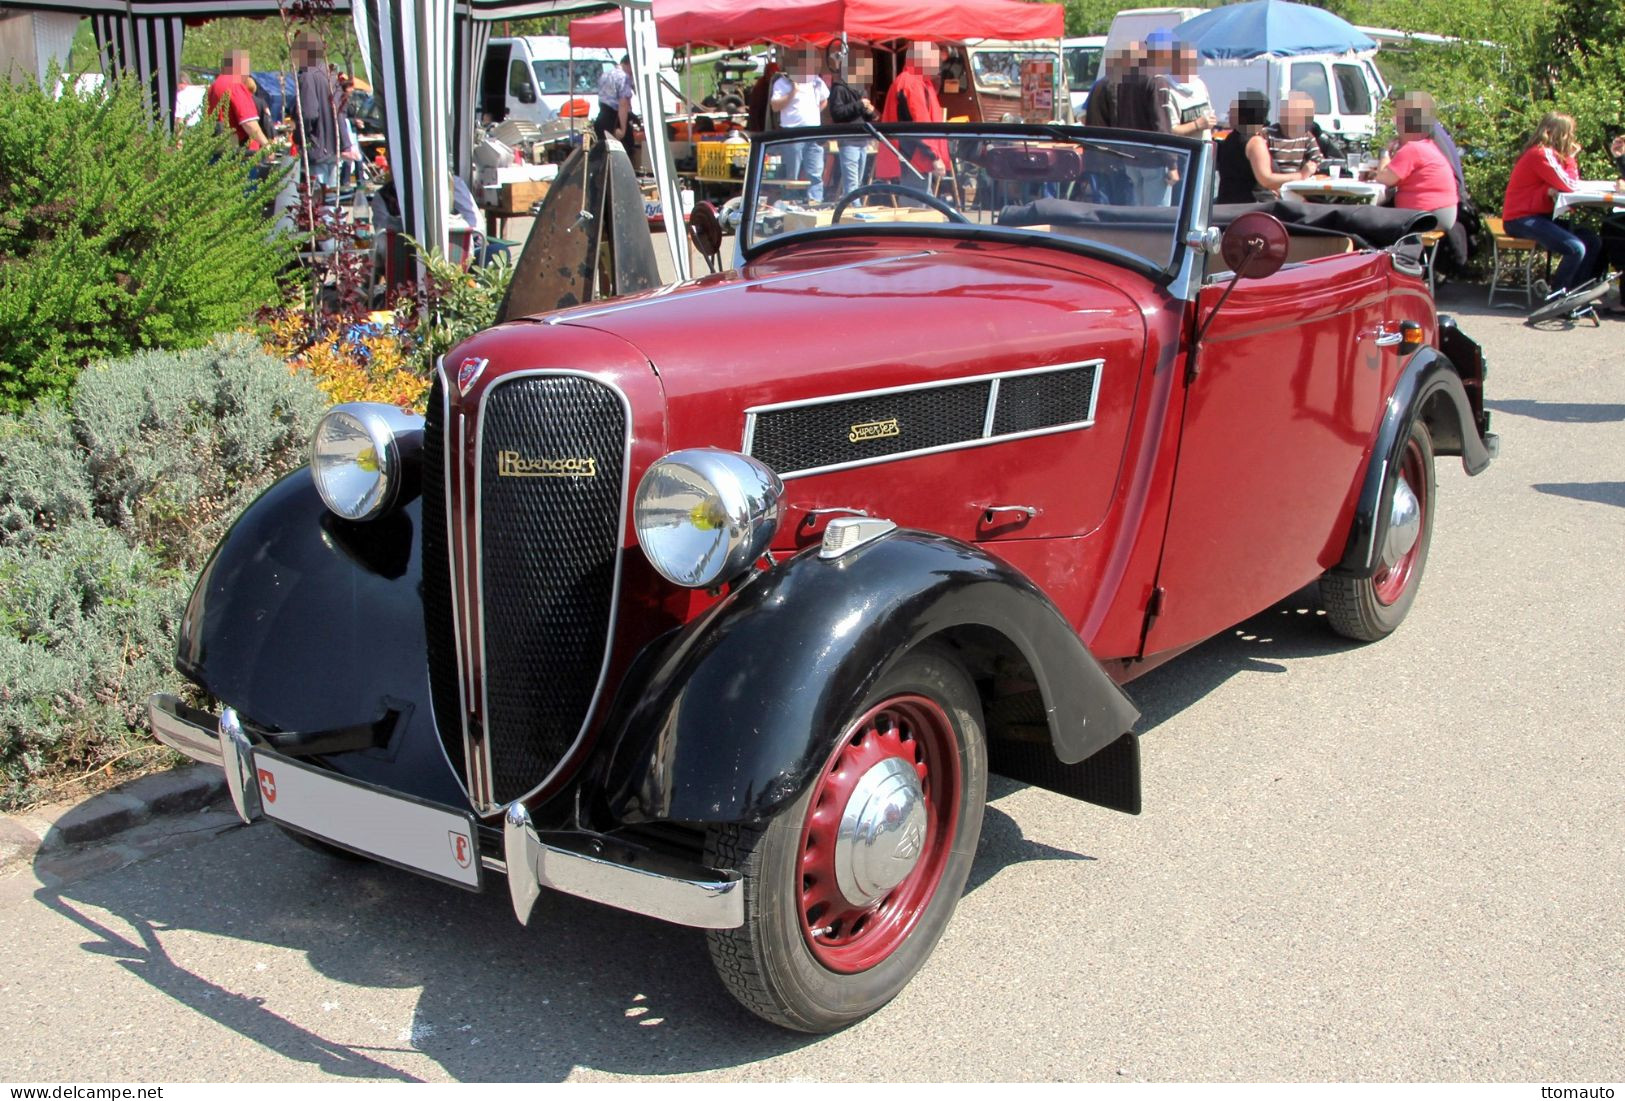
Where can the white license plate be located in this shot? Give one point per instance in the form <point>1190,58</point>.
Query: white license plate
<point>397,829</point>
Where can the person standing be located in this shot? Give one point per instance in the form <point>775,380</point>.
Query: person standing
<point>1185,107</point>
<point>848,105</point>
<point>912,97</point>
<point>1547,166</point>
<point>615,103</point>
<point>231,103</point>
<point>1418,171</point>
<point>316,113</point>
<point>799,99</point>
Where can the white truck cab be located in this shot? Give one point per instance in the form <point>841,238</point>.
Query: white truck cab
<point>534,77</point>
<point>1347,88</point>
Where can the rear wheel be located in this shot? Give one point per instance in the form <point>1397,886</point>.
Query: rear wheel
<point>848,890</point>
<point>1369,608</point>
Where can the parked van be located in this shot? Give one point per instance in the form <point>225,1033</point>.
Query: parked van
<point>1347,89</point>
<point>1133,24</point>
<point>1081,59</point>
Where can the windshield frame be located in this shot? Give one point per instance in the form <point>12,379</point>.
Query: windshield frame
<point>1189,192</point>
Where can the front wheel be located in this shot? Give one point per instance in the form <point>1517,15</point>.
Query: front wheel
<point>1369,608</point>
<point>848,890</point>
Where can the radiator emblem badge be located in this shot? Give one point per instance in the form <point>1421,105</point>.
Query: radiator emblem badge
<point>511,464</point>
<point>469,371</point>
<point>873,430</point>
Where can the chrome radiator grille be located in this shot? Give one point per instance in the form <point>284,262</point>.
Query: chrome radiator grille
<point>535,551</point>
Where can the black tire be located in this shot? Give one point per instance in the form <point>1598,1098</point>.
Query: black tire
<point>770,963</point>
<point>1370,608</point>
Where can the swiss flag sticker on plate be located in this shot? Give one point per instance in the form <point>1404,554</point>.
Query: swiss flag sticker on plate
<point>267,785</point>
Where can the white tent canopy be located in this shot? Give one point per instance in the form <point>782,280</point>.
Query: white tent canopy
<point>425,66</point>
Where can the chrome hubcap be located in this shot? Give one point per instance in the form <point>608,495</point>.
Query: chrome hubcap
<point>882,832</point>
<point>1404,524</point>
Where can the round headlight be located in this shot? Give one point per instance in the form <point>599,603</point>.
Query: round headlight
<point>357,454</point>
<point>704,515</point>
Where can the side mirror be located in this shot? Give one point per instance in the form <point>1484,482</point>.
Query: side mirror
<point>1255,245</point>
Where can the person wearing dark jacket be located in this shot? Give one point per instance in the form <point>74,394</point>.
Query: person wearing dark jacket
<point>848,105</point>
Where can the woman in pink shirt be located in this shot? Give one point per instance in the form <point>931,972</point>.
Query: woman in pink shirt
<point>1419,172</point>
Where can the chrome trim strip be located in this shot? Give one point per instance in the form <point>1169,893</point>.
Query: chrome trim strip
<point>446,450</point>
<point>934,384</point>
<point>484,801</point>
<point>703,292</point>
<point>987,424</point>
<point>534,864</point>
<point>993,408</point>
<point>200,743</point>
<point>238,758</point>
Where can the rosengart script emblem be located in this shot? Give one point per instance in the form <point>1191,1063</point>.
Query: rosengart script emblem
<point>511,464</point>
<point>468,371</point>
<point>267,785</point>
<point>873,430</point>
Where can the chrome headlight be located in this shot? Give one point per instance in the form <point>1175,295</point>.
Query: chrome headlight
<point>358,457</point>
<point>704,515</point>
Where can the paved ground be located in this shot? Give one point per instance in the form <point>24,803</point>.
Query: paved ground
<point>1400,861</point>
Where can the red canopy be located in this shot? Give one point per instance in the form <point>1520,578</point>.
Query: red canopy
<point>732,23</point>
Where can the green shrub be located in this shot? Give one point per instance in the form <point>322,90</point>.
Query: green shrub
<point>107,513</point>
<point>116,236</point>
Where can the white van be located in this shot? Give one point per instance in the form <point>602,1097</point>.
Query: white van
<point>535,77</point>
<point>1080,58</point>
<point>1133,24</point>
<point>1347,89</point>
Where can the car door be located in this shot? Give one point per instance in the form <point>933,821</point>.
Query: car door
<point>1276,424</point>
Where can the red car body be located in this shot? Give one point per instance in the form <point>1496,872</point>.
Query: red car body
<point>970,476</point>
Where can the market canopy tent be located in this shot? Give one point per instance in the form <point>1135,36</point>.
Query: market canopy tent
<point>425,63</point>
<point>1257,27</point>
<point>789,22</point>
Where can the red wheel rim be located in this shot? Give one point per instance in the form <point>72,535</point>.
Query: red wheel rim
<point>842,936</point>
<point>1390,584</point>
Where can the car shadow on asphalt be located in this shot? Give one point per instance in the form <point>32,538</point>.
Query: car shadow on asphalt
<point>583,986</point>
<point>1293,628</point>
<point>1601,493</point>
<point>1561,412</point>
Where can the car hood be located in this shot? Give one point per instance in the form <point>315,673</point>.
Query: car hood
<point>814,321</point>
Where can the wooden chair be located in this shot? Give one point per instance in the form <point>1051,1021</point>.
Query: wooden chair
<point>1431,240</point>
<point>1512,247</point>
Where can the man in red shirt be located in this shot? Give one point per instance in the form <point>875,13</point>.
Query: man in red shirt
<point>230,103</point>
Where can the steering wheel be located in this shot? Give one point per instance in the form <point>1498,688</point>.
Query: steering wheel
<point>925,197</point>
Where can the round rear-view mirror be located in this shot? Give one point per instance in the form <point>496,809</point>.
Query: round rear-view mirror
<point>1255,245</point>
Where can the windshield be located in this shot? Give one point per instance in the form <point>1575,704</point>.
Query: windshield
<point>1002,68</point>
<point>1082,62</point>
<point>1118,195</point>
<point>554,76</point>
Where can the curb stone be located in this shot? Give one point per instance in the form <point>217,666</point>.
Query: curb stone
<point>53,828</point>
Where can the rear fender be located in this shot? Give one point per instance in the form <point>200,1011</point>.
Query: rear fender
<point>1431,390</point>
<point>732,718</point>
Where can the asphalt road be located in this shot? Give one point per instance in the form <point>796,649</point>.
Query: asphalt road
<point>1399,861</point>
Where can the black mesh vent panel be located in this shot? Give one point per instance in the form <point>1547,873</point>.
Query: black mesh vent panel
<point>550,484</point>
<point>438,622</point>
<point>813,436</point>
<point>1030,402</point>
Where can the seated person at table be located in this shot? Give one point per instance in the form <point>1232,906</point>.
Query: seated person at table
<point>1294,154</point>
<point>1547,166</point>
<point>1243,156</point>
<point>1418,171</point>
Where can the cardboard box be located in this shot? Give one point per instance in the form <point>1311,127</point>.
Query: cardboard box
<point>515,199</point>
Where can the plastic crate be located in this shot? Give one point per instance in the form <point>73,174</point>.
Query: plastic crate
<point>713,158</point>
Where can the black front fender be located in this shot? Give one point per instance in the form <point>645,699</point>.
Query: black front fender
<point>306,622</point>
<point>733,717</point>
<point>1430,389</point>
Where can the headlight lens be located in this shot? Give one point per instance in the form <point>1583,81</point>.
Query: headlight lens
<point>704,515</point>
<point>357,455</point>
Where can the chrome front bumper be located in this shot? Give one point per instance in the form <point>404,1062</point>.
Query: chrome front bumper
<point>586,865</point>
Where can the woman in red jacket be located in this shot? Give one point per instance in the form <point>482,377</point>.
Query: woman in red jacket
<point>1548,166</point>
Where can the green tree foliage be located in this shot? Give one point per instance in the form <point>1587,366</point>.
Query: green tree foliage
<point>116,236</point>
<point>108,510</point>
<point>1515,63</point>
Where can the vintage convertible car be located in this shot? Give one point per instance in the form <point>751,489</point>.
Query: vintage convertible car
<point>718,602</point>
